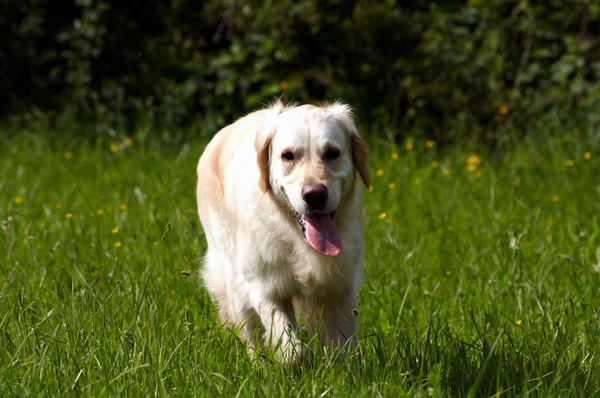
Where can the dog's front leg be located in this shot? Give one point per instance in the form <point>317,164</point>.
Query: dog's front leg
<point>277,317</point>
<point>339,323</point>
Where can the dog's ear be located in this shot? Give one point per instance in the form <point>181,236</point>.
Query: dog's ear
<point>263,157</point>
<point>360,156</point>
<point>360,150</point>
<point>262,144</point>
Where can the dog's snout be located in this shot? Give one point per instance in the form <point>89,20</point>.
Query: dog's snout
<point>315,195</point>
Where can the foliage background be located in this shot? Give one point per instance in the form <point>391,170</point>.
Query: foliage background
<point>445,69</point>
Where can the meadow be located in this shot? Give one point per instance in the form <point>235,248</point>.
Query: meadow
<point>482,273</point>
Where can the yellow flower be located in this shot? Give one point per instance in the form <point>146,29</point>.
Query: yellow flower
<point>113,148</point>
<point>434,164</point>
<point>129,142</point>
<point>381,216</point>
<point>370,188</point>
<point>429,143</point>
<point>284,85</point>
<point>473,159</point>
<point>115,230</point>
<point>587,155</point>
<point>503,110</point>
<point>18,200</point>
<point>123,206</point>
<point>518,322</point>
<point>394,156</point>
<point>471,168</point>
<point>555,198</point>
<point>68,155</point>
<point>448,273</point>
<point>99,212</point>
<point>391,185</point>
<point>69,215</point>
<point>409,146</point>
<point>569,163</point>
<point>117,244</point>
<point>446,172</point>
<point>379,172</point>
<point>478,174</point>
<point>58,206</point>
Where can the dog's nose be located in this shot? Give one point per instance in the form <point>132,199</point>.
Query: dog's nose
<point>314,195</point>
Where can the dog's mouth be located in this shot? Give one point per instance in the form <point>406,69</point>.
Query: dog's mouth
<point>319,232</point>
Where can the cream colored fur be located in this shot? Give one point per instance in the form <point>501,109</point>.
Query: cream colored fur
<point>258,266</point>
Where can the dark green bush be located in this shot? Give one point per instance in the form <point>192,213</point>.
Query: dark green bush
<point>434,68</point>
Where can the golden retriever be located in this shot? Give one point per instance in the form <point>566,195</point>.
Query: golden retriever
<point>279,198</point>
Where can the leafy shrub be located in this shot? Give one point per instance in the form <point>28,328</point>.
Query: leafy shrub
<point>440,69</point>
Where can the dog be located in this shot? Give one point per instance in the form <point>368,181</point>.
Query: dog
<point>279,199</point>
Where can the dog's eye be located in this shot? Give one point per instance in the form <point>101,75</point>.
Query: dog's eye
<point>287,155</point>
<point>332,154</point>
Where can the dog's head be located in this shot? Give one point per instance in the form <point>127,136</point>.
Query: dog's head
<point>309,159</point>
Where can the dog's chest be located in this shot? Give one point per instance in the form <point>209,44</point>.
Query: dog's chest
<point>315,275</point>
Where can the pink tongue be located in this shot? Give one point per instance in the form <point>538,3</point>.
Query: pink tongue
<point>321,234</point>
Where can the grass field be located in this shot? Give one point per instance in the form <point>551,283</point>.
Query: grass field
<point>482,274</point>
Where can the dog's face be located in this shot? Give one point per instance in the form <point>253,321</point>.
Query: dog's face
<point>310,166</point>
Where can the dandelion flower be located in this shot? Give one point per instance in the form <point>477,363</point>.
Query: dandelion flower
<point>99,212</point>
<point>284,85</point>
<point>113,148</point>
<point>555,198</point>
<point>58,206</point>
<point>471,168</point>
<point>129,142</point>
<point>434,164</point>
<point>587,155</point>
<point>473,159</point>
<point>446,172</point>
<point>478,174</point>
<point>379,172</point>
<point>518,322</point>
<point>503,110</point>
<point>409,146</point>
<point>18,200</point>
<point>68,155</point>
<point>117,244</point>
<point>569,163</point>
<point>115,230</point>
<point>370,188</point>
<point>123,206</point>
<point>430,143</point>
<point>381,216</point>
<point>394,156</point>
<point>448,273</point>
<point>69,215</point>
<point>391,185</point>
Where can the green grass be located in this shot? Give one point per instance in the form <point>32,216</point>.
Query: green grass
<point>476,284</point>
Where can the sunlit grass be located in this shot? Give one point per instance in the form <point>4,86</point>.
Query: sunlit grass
<point>482,275</point>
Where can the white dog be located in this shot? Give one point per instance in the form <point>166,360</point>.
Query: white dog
<point>279,197</point>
